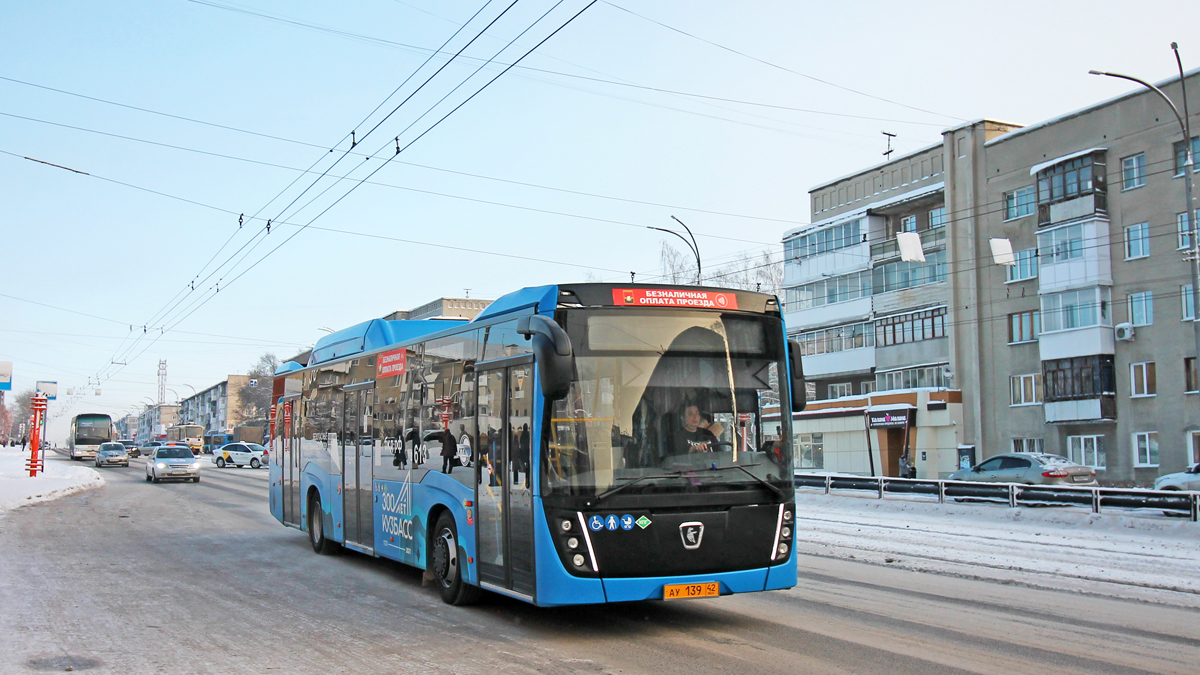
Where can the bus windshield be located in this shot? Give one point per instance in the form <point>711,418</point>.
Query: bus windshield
<point>670,401</point>
<point>92,430</point>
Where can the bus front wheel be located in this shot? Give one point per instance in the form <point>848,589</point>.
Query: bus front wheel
<point>445,559</point>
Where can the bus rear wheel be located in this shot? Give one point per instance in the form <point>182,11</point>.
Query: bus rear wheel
<point>446,563</point>
<point>316,528</point>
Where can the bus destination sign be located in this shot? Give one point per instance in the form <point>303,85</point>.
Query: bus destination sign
<point>674,297</point>
<point>391,363</point>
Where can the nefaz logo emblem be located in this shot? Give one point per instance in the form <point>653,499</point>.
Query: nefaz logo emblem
<point>691,533</point>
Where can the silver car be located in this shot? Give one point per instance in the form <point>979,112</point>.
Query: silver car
<point>1188,479</point>
<point>172,462</point>
<point>1029,468</point>
<point>110,454</point>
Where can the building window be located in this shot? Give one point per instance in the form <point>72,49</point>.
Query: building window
<point>1137,241</point>
<point>898,275</point>
<point>1145,447</point>
<point>1026,389</point>
<point>1086,450</point>
<point>1133,171</point>
<point>1028,445</point>
<point>1060,244</point>
<point>1180,158</point>
<point>937,217</point>
<point>1024,326</point>
<point>1189,375</point>
<point>840,389</point>
<point>810,451</point>
<point>911,327</point>
<point>1070,179</point>
<point>1081,377</point>
<point>828,291</point>
<point>1142,379</point>
<point>1185,230</point>
<point>836,339</point>
<point>908,224</point>
<point>1026,267</point>
<point>911,378</point>
<point>1076,309</point>
<point>866,387</point>
<point>1141,308</point>
<point>1019,203</point>
<point>1187,301</point>
<point>824,241</point>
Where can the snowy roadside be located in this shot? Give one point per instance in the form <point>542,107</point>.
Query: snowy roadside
<point>1153,560</point>
<point>61,477</point>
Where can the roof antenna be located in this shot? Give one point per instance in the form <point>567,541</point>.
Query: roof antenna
<point>631,275</point>
<point>467,291</point>
<point>888,153</point>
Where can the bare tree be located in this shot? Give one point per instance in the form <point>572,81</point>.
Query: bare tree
<point>20,411</point>
<point>747,271</point>
<point>254,403</point>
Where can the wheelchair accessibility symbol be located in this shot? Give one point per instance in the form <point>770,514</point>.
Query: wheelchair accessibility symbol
<point>596,523</point>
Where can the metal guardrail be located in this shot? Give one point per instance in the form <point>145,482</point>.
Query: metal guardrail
<point>1185,504</point>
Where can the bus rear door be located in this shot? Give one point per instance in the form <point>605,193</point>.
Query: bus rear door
<point>357,447</point>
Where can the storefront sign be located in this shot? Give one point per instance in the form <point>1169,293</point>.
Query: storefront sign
<point>892,419</point>
<point>673,297</point>
<point>390,363</point>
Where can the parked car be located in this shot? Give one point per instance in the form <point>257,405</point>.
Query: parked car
<point>239,455</point>
<point>1028,468</point>
<point>112,453</point>
<point>172,462</point>
<point>1188,479</point>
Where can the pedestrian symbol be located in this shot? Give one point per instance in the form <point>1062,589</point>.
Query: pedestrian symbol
<point>610,522</point>
<point>596,523</point>
<point>626,522</point>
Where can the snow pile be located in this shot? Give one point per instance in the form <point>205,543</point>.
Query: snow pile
<point>60,478</point>
<point>1151,559</point>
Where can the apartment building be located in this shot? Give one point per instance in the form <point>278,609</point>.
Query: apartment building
<point>153,421</point>
<point>1083,348</point>
<point>217,408</point>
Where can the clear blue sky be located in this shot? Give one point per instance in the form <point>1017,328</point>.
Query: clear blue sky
<point>556,165</point>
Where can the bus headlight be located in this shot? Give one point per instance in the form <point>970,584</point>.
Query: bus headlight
<point>787,516</point>
<point>787,532</point>
<point>783,548</point>
<point>572,543</point>
<point>566,526</point>
<point>578,560</point>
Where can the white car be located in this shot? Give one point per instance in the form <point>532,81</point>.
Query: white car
<point>1188,479</point>
<point>239,455</point>
<point>172,462</point>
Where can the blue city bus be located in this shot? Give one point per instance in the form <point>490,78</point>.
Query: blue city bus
<point>571,444</point>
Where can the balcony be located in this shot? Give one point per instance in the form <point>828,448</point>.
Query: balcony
<point>1100,409</point>
<point>889,248</point>
<point>1058,212</point>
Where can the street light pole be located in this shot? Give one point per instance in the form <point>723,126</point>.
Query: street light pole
<point>1190,210</point>
<point>692,245</point>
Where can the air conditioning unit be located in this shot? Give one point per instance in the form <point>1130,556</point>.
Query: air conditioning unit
<point>1124,331</point>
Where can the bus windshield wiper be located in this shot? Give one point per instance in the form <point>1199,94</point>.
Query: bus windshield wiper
<point>746,470</point>
<point>614,490</point>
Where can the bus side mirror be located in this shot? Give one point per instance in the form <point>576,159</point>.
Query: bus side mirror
<point>799,390</point>
<point>552,349</point>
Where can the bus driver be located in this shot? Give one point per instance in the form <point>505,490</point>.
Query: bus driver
<point>692,437</point>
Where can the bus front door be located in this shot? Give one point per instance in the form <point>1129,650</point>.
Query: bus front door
<point>291,465</point>
<point>503,483</point>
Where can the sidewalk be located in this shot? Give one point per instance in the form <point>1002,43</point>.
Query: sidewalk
<point>61,477</point>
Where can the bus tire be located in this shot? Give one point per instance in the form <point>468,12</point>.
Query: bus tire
<point>445,557</point>
<point>321,544</point>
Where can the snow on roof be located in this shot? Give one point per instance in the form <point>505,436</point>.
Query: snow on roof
<point>872,168</point>
<point>892,406</point>
<point>1033,170</point>
<point>1095,106</point>
<point>862,210</point>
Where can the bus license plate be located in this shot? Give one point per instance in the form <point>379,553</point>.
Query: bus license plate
<point>708,589</point>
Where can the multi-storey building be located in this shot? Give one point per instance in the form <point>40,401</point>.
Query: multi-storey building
<point>154,420</point>
<point>1082,348</point>
<point>218,407</point>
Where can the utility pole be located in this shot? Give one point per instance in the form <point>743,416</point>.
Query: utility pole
<point>162,381</point>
